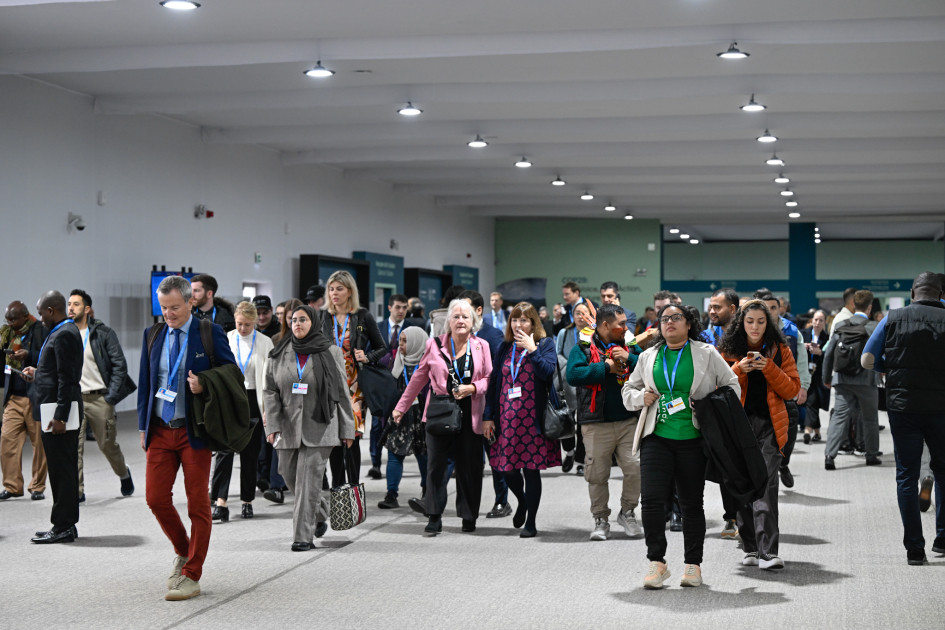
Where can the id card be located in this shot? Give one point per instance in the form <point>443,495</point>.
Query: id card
<point>300,388</point>
<point>675,406</point>
<point>515,392</point>
<point>7,370</point>
<point>166,394</point>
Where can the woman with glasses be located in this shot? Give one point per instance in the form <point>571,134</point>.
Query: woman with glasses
<point>767,374</point>
<point>355,333</point>
<point>456,364</point>
<point>676,370</point>
<point>308,412</point>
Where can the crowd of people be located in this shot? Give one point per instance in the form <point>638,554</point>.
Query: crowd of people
<point>663,397</point>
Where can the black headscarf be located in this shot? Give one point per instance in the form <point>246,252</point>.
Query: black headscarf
<point>317,345</point>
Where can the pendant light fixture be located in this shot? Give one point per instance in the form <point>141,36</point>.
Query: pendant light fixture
<point>587,196</point>
<point>767,137</point>
<point>693,241</point>
<point>477,142</point>
<point>628,217</point>
<point>684,237</point>
<point>794,215</point>
<point>774,160</point>
<point>610,207</point>
<point>319,71</point>
<point>674,230</point>
<point>791,204</point>
<point>557,181</point>
<point>732,53</point>
<point>781,179</point>
<point>753,106</point>
<point>523,163</point>
<point>180,5</point>
<point>409,110</point>
<point>787,193</point>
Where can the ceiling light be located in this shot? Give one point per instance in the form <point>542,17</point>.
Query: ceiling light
<point>180,5</point>
<point>319,71</point>
<point>752,106</point>
<point>684,236</point>
<point>674,230</point>
<point>781,179</point>
<point>628,217</point>
<point>816,229</point>
<point>787,193</point>
<point>557,181</point>
<point>409,110</point>
<point>790,204</point>
<point>523,163</point>
<point>477,142</point>
<point>610,207</point>
<point>693,241</point>
<point>587,196</point>
<point>817,241</point>
<point>794,215</point>
<point>732,53</point>
<point>774,160</point>
<point>767,137</point>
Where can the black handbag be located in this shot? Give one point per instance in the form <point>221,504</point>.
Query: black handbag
<point>444,417</point>
<point>380,389</point>
<point>557,423</point>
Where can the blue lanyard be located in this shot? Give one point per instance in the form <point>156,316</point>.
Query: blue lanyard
<point>213,315</point>
<point>672,383</point>
<point>172,374</point>
<point>575,334</point>
<point>298,364</point>
<point>516,368</point>
<point>239,359</point>
<point>86,340</point>
<point>340,341</point>
<point>456,363</point>
<point>406,378</point>
<point>58,326</point>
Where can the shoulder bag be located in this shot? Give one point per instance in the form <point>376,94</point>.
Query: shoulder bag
<point>444,416</point>
<point>347,507</point>
<point>557,423</point>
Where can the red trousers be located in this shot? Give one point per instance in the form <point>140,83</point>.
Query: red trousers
<point>168,451</point>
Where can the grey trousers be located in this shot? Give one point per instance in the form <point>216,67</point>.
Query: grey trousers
<point>303,469</point>
<point>758,522</point>
<point>848,398</point>
<point>101,416</point>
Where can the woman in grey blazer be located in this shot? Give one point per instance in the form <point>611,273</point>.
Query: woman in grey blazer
<point>308,412</point>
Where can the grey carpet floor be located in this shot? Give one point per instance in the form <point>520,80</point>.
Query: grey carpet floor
<point>840,537</point>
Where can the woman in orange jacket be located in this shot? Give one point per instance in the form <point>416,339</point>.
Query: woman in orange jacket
<point>767,374</point>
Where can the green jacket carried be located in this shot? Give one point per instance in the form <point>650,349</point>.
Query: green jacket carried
<point>221,413</point>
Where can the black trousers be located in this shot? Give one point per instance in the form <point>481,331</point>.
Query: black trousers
<point>62,457</point>
<point>661,462</point>
<point>466,450</point>
<point>223,469</point>
<point>758,521</point>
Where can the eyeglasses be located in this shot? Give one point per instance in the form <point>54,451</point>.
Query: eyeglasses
<point>675,317</point>
<point>299,320</point>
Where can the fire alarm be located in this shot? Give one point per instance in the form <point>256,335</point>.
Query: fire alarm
<point>202,212</point>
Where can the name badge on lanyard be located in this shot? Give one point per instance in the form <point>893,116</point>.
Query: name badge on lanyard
<point>515,392</point>
<point>166,394</point>
<point>7,370</point>
<point>300,388</point>
<point>675,406</point>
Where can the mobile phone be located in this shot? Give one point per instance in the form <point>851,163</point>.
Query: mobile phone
<point>8,350</point>
<point>754,355</point>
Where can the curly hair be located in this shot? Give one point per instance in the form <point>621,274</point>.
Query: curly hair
<point>735,341</point>
<point>692,318</point>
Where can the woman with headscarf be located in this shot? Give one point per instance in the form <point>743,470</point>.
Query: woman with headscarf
<point>585,316</point>
<point>308,412</point>
<point>407,436</point>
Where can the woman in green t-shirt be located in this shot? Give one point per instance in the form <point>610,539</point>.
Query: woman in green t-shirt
<point>679,368</point>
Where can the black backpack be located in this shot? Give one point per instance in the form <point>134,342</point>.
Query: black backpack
<point>851,339</point>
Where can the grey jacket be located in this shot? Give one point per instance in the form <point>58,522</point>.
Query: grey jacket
<point>292,415</point>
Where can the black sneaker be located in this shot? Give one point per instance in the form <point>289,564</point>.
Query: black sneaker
<point>937,547</point>
<point>873,461</point>
<point>417,505</point>
<point>567,464</point>
<point>390,502</point>
<point>828,464</point>
<point>127,485</point>
<point>807,437</point>
<point>846,449</point>
<point>925,494</point>
<point>321,529</point>
<point>916,557</point>
<point>786,477</point>
<point>434,526</point>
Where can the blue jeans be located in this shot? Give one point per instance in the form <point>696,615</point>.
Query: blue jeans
<point>395,471</point>
<point>909,431</point>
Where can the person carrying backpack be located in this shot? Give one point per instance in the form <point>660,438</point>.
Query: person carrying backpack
<point>854,384</point>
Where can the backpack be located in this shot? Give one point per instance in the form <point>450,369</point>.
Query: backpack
<point>851,339</point>
<point>206,337</point>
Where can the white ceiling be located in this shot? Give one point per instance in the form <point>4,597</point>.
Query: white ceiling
<point>624,98</point>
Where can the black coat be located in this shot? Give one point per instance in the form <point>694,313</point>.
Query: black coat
<point>735,458</point>
<point>816,377</point>
<point>58,372</point>
<point>34,342</point>
<point>364,332</point>
<point>110,361</point>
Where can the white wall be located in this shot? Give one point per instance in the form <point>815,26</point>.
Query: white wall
<point>56,154</point>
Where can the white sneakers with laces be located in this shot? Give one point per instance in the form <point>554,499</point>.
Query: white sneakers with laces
<point>628,521</point>
<point>601,529</point>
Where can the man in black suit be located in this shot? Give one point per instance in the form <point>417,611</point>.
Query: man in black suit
<point>56,383</point>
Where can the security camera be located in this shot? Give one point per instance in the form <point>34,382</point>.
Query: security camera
<point>76,221</point>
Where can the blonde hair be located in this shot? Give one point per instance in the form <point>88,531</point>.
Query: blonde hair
<point>247,310</point>
<point>346,280</point>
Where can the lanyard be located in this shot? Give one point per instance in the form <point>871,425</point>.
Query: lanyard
<point>575,334</point>
<point>239,359</point>
<point>672,383</point>
<point>298,364</point>
<point>172,373</point>
<point>455,363</point>
<point>516,368</point>
<point>340,341</point>
<point>58,326</point>
<point>85,341</point>
<point>213,315</point>
<point>406,378</point>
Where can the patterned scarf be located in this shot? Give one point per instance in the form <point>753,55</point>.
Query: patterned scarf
<point>10,337</point>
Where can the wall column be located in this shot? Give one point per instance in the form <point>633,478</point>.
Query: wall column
<point>802,267</point>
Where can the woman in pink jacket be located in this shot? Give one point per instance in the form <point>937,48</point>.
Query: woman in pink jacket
<point>456,364</point>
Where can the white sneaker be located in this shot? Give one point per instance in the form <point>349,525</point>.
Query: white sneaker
<point>656,574</point>
<point>601,529</point>
<point>750,559</point>
<point>179,562</point>
<point>730,531</point>
<point>629,523</point>
<point>692,576</point>
<point>184,588</point>
<point>770,563</point>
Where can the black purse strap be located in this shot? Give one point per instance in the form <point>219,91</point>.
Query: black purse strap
<point>553,391</point>
<point>449,366</point>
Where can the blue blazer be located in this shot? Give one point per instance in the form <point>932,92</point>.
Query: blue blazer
<point>492,336</point>
<point>196,361</point>
<point>487,317</point>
